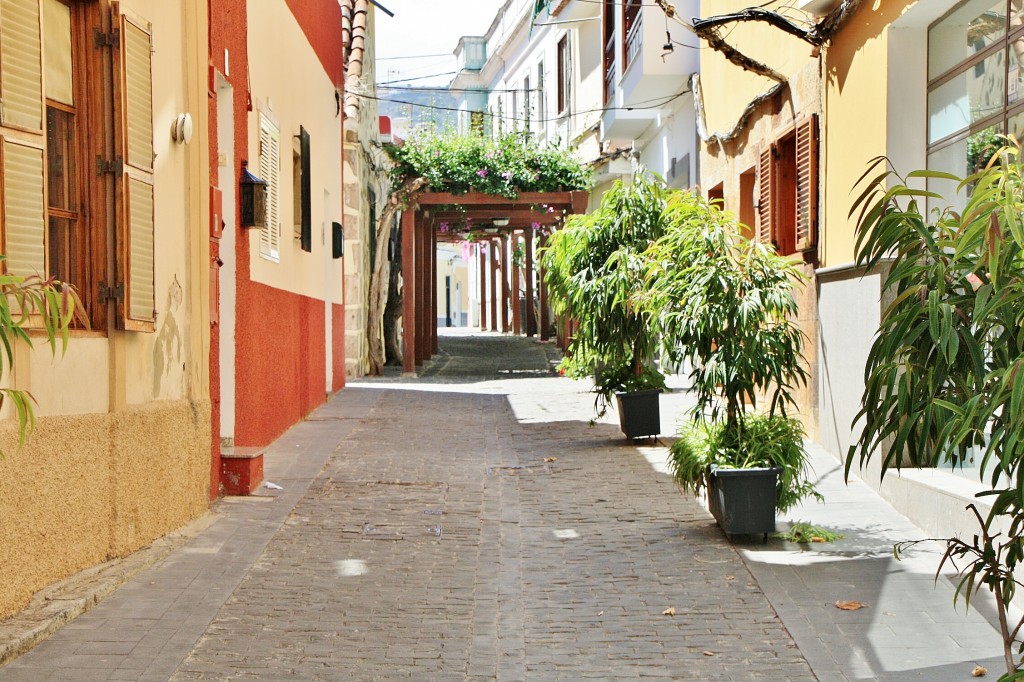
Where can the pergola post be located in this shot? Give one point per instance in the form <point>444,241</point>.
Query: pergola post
<point>409,290</point>
<point>542,293</point>
<point>482,257</point>
<point>517,318</point>
<point>422,293</point>
<point>434,346</point>
<point>494,285</point>
<point>531,319</point>
<point>505,274</point>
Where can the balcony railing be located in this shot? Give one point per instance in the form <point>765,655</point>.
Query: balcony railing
<point>609,69</point>
<point>634,37</point>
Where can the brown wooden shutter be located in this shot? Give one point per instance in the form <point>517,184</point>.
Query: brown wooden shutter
<point>21,65</point>
<point>133,124</point>
<point>807,184</point>
<point>765,207</point>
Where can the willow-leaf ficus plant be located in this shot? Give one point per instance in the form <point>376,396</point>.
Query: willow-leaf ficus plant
<point>593,268</point>
<point>727,306</point>
<point>945,372</point>
<point>31,302</point>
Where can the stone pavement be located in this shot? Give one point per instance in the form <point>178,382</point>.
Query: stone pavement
<point>471,525</point>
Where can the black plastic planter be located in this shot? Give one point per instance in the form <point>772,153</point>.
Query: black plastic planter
<point>639,413</point>
<point>743,500</point>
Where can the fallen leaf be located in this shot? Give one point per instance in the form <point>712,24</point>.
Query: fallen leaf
<point>600,613</point>
<point>849,605</point>
<point>730,577</point>
<point>708,653</point>
<point>670,611</point>
<point>550,459</point>
<point>818,539</point>
<point>979,671</point>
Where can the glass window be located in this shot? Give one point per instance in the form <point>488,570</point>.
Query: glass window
<point>963,33</point>
<point>970,96</point>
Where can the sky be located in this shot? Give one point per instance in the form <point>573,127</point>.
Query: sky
<point>427,27</point>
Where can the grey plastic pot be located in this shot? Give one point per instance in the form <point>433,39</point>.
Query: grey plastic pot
<point>743,500</point>
<point>639,413</point>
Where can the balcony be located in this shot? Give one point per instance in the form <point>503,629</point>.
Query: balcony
<point>640,75</point>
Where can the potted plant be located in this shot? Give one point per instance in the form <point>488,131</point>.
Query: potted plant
<point>726,304</point>
<point>593,267</point>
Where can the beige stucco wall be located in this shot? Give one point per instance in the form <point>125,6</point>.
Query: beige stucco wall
<point>88,488</point>
<point>121,450</point>
<point>289,85</point>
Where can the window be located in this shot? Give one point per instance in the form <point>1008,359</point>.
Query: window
<point>748,202</point>
<point>541,106</point>
<point>305,204</point>
<point>515,110</point>
<point>564,74</point>
<point>608,21</point>
<point>975,55</point>
<point>270,172</point>
<point>527,103</point>
<point>787,194</point>
<point>717,193</point>
<point>58,166</point>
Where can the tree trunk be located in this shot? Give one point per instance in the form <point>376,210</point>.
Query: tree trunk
<point>393,311</point>
<point>380,278</point>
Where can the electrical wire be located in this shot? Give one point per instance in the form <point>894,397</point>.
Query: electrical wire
<point>661,101</point>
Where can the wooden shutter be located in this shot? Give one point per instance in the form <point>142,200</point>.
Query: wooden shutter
<point>305,191</point>
<point>24,209</point>
<point>270,172</point>
<point>21,65</point>
<point>133,125</point>
<point>765,206</point>
<point>807,184</point>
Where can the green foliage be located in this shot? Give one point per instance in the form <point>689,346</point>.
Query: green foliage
<point>461,163</point>
<point>759,440</point>
<point>30,302</point>
<point>593,269</point>
<point>944,372</point>
<point>726,304</point>
<point>803,532</point>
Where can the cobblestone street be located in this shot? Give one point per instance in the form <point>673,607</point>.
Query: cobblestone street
<point>479,530</point>
<point>472,524</point>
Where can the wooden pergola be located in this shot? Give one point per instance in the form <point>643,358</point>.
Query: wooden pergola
<point>500,297</point>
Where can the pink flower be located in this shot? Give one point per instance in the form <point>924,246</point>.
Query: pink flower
<point>507,175</point>
<point>482,172</point>
<point>535,225</point>
<point>444,227</point>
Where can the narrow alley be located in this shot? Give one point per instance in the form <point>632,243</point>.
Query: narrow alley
<point>472,525</point>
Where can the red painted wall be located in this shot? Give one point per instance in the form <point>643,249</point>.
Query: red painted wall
<point>338,352</point>
<point>280,354</point>
<point>228,27</point>
<point>321,22</point>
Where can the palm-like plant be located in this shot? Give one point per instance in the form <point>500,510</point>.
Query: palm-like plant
<point>946,371</point>
<point>593,268</point>
<point>31,303</point>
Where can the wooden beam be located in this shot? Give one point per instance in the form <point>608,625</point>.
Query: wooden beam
<point>409,291</point>
<point>479,198</point>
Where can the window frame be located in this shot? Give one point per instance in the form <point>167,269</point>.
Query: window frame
<point>564,73</point>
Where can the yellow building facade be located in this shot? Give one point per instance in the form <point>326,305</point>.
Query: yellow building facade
<point>104,187</point>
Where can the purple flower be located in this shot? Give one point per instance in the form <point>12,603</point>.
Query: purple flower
<point>507,175</point>
<point>444,227</point>
<point>482,172</point>
<point>535,225</point>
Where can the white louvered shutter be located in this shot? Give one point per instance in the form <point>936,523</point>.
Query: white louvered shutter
<point>270,172</point>
<point>23,209</point>
<point>21,67</point>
